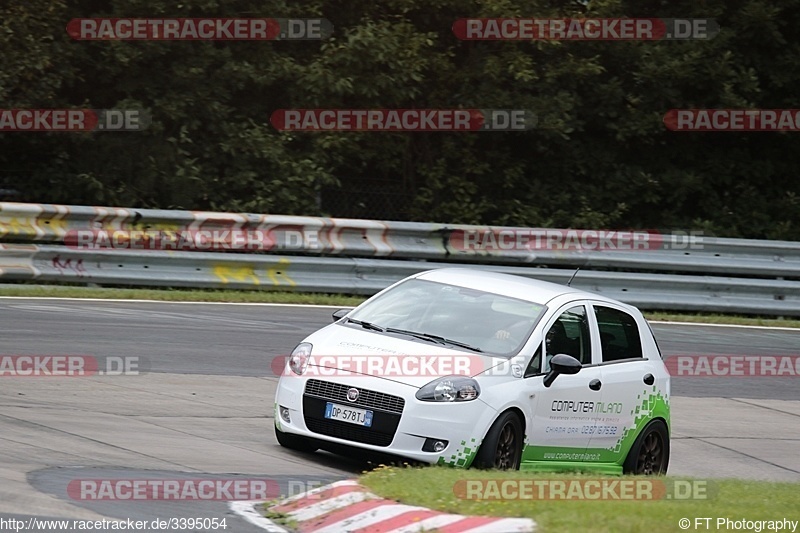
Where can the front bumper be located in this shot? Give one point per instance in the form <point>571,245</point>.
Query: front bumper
<point>403,433</point>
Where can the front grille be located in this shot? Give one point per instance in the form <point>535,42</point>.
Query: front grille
<point>367,398</point>
<point>381,433</point>
<point>343,430</point>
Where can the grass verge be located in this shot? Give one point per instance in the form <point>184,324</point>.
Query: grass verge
<point>278,518</point>
<point>181,295</point>
<point>723,319</point>
<point>433,487</point>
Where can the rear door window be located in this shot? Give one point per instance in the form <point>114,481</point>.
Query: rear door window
<point>619,334</point>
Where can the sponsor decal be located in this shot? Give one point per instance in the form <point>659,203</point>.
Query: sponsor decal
<point>571,406</point>
<point>571,456</point>
<point>600,429</point>
<point>463,455</point>
<point>650,404</point>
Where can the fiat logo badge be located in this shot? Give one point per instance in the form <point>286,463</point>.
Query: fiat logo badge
<point>352,394</point>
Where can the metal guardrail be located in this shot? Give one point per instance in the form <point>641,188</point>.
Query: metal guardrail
<point>49,224</point>
<point>364,256</point>
<point>56,264</point>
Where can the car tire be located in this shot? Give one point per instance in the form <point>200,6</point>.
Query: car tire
<point>502,447</point>
<point>649,455</point>
<point>296,442</point>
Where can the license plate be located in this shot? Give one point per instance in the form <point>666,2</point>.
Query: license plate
<point>361,417</point>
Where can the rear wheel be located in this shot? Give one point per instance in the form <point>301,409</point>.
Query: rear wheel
<point>649,454</point>
<point>296,442</point>
<point>502,447</point>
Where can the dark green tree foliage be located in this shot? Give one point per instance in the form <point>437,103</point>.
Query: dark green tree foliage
<point>600,158</point>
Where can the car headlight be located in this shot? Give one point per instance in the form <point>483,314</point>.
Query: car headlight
<point>298,361</point>
<point>450,389</point>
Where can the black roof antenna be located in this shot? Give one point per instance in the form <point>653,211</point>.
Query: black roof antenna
<point>573,276</point>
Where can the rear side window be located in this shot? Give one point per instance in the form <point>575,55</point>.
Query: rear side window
<point>619,334</point>
<point>655,341</point>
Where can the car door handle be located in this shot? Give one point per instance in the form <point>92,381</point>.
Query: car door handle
<point>649,379</point>
<point>595,384</point>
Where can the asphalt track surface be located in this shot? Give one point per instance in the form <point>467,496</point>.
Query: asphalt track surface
<point>204,407</point>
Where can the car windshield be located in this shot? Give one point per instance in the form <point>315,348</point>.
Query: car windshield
<point>449,315</point>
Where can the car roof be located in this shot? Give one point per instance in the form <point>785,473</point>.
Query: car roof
<point>519,287</point>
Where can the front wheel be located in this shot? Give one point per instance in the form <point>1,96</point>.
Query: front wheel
<point>295,442</point>
<point>502,447</point>
<point>649,454</point>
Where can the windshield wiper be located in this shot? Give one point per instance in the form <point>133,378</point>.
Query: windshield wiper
<point>366,325</point>
<point>454,343</point>
<point>421,336</point>
<point>435,338</point>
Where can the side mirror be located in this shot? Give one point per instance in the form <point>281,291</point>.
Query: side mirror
<point>561,364</point>
<point>339,314</point>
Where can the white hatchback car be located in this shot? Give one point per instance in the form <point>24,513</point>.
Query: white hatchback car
<point>473,368</point>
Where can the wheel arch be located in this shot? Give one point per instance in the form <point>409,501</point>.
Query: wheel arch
<point>663,419</point>
<point>625,456</point>
<point>517,411</point>
<point>509,409</point>
<point>659,419</point>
